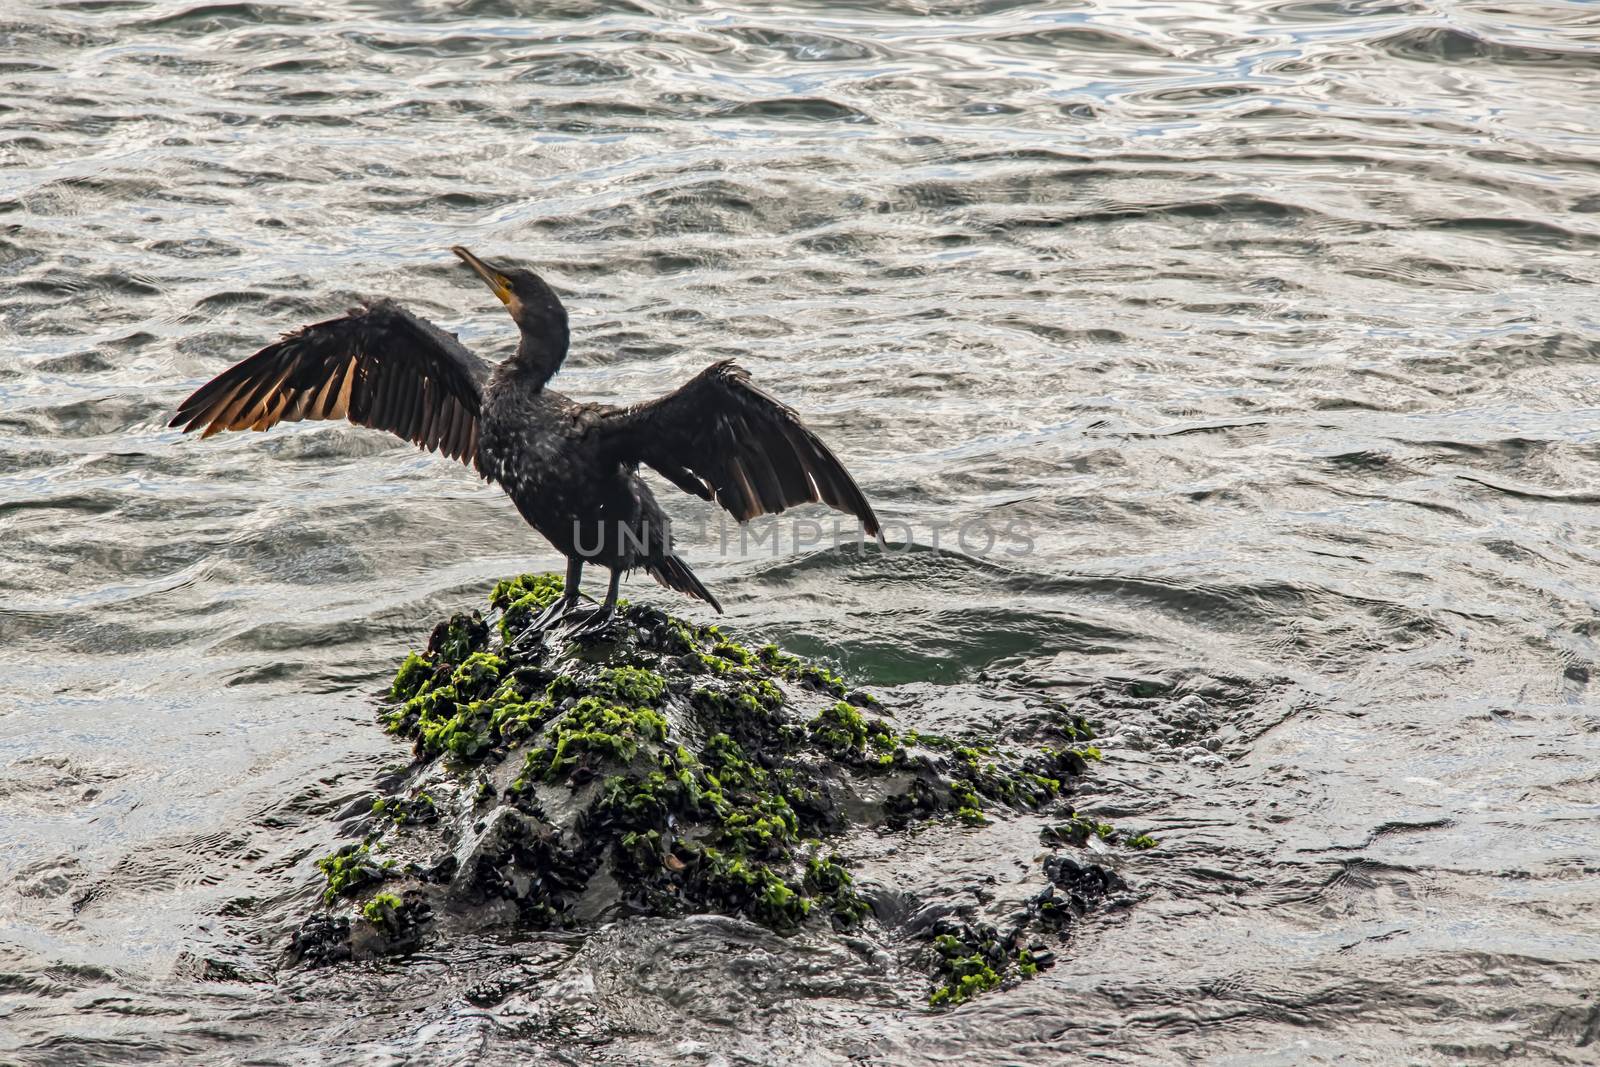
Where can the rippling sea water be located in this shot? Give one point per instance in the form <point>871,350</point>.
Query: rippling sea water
<point>1274,324</point>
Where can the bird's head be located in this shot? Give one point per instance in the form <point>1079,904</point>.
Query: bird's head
<point>532,303</point>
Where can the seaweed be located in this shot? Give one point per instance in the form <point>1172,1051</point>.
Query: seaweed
<point>696,773</point>
<point>380,910</point>
<point>349,869</point>
<point>1077,830</point>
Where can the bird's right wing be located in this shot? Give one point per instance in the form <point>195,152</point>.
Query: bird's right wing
<point>377,366</point>
<point>722,438</point>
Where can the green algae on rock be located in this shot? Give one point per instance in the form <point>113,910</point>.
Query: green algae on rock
<point>349,869</point>
<point>660,768</point>
<point>1077,831</point>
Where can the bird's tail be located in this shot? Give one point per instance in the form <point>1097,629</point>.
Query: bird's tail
<point>674,573</point>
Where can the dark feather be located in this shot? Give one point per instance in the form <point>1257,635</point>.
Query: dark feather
<point>753,452</point>
<point>378,366</point>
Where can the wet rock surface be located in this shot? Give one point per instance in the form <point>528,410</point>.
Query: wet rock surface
<point>663,769</point>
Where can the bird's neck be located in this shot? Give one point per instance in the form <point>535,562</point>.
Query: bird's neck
<point>538,357</point>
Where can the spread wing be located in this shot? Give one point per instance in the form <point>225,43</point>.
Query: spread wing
<point>721,438</point>
<point>378,366</point>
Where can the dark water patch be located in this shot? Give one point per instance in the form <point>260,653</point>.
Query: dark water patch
<point>22,35</point>
<point>939,195</point>
<point>16,460</point>
<point>195,248</point>
<point>1531,230</point>
<point>92,1050</point>
<point>1421,274</point>
<point>584,127</point>
<point>91,503</point>
<point>494,10</point>
<point>99,5</point>
<point>1237,206</point>
<point>325,121</point>
<point>605,109</point>
<point>104,414</point>
<point>37,632</point>
<point>961,645</point>
<point>430,47</point>
<point>1450,44</point>
<point>311,97</point>
<point>59,283</point>
<point>1527,492</point>
<point>834,244</point>
<point>75,363</point>
<point>571,70</point>
<point>1086,39</point>
<point>680,262</point>
<point>297,65</point>
<point>1364,460</point>
<point>284,306</point>
<point>1342,10</point>
<point>1064,335</point>
<point>276,637</point>
<point>794,109</point>
<point>218,18</point>
<point>173,64</point>
<point>1557,348</point>
<point>619,345</point>
<point>20,66</point>
<point>189,198</point>
<point>409,200</point>
<point>1202,428</point>
<point>24,143</point>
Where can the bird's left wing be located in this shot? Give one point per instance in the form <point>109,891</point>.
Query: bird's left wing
<point>378,366</point>
<point>719,437</point>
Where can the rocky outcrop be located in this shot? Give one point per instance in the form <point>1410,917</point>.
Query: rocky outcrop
<point>661,768</point>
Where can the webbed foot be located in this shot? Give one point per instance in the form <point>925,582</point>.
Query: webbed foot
<point>558,609</point>
<point>591,623</point>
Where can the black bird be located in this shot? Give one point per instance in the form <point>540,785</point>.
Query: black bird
<point>570,467</point>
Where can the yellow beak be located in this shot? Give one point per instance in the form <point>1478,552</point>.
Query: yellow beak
<point>496,281</point>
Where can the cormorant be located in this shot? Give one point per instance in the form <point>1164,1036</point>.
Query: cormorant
<point>570,467</point>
